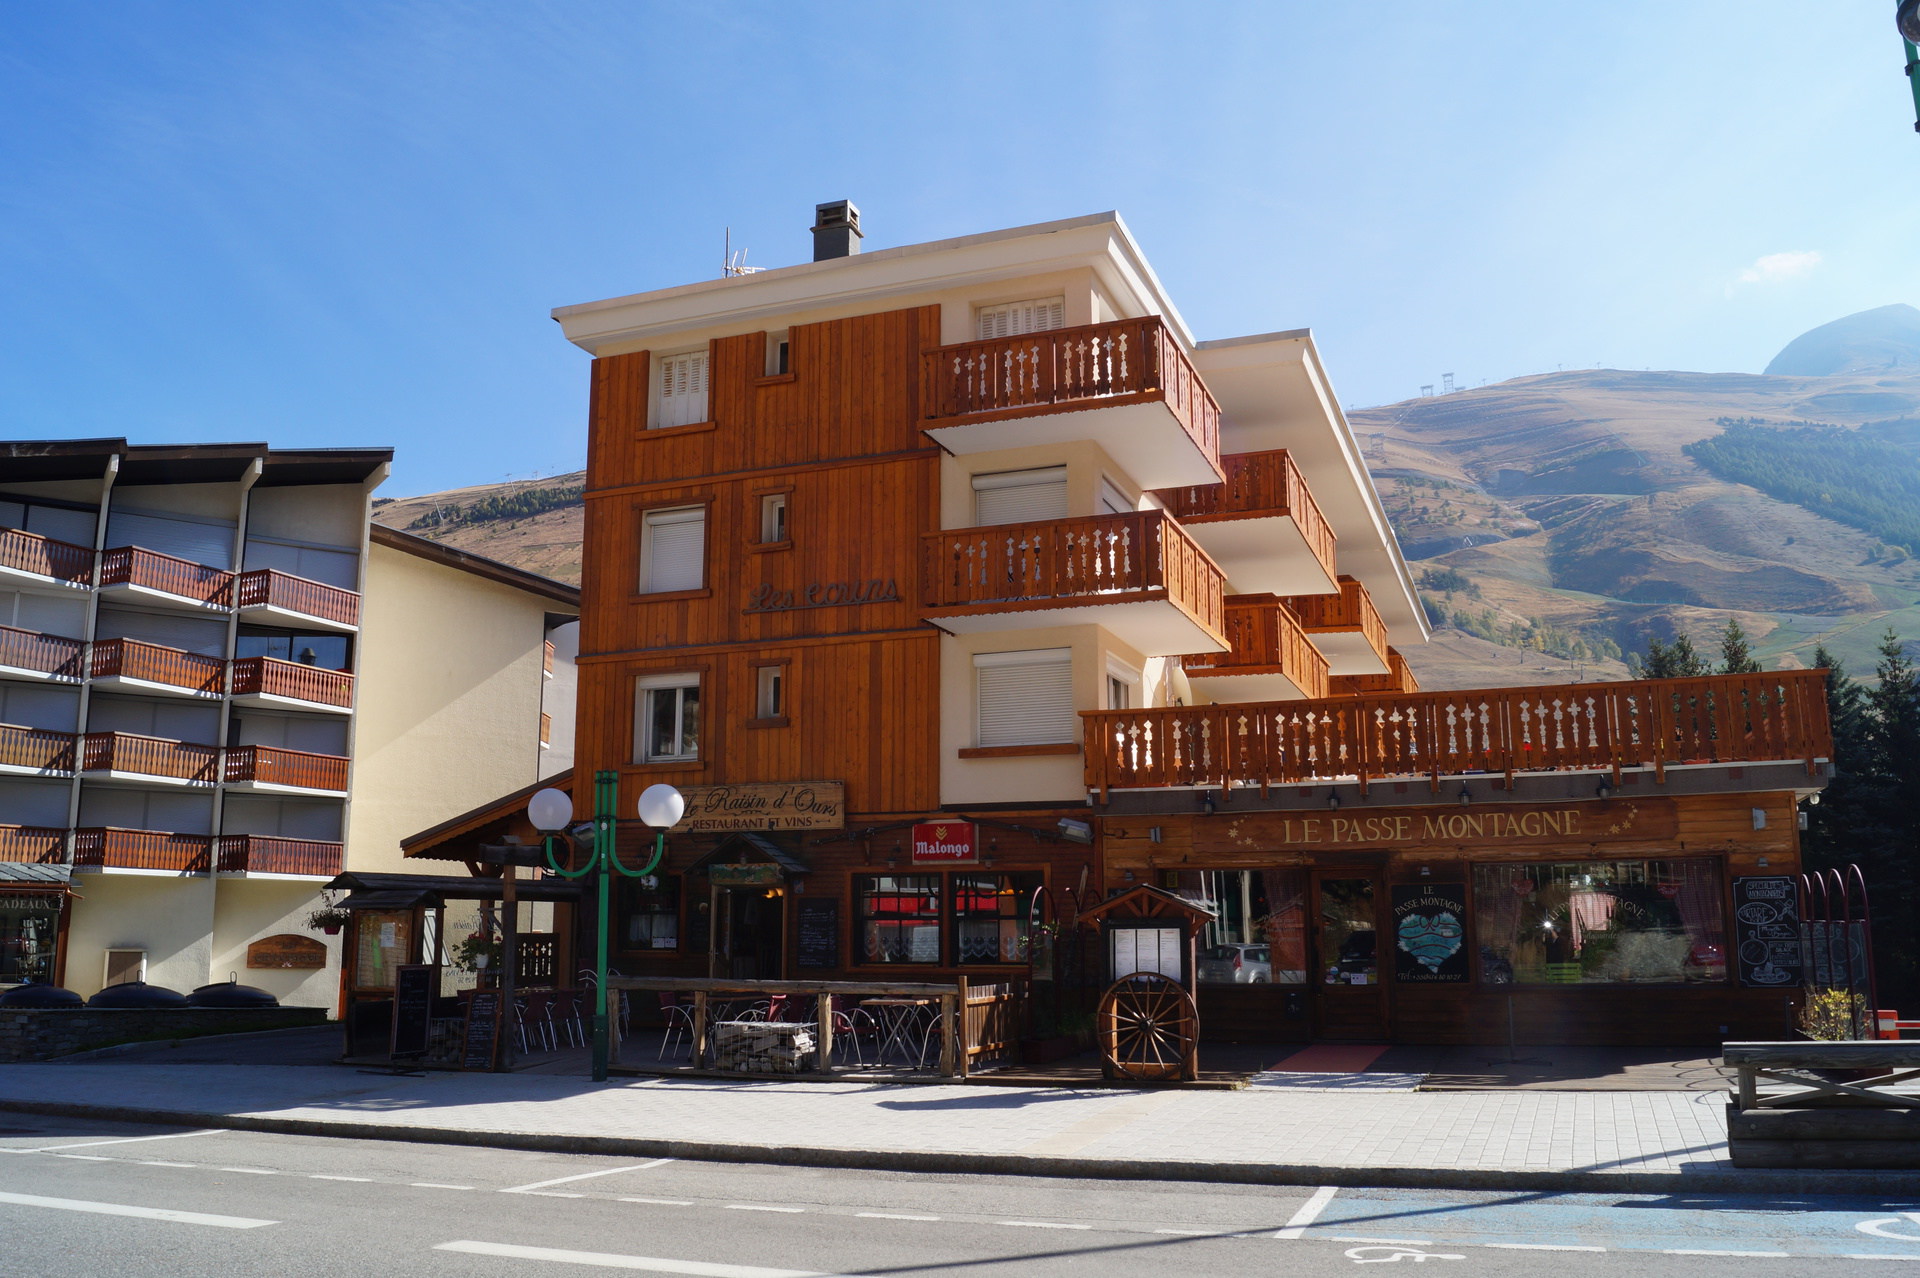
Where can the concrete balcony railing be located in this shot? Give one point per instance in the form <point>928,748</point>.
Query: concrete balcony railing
<point>1597,727</point>
<point>1136,573</point>
<point>107,848</point>
<point>1346,628</point>
<point>1157,419</point>
<point>271,681</point>
<point>268,595</point>
<point>32,843</point>
<point>29,654</point>
<point>1261,525</point>
<point>165,578</point>
<point>271,854</point>
<point>1269,656</point>
<point>128,756</point>
<point>270,768</point>
<point>138,666</point>
<point>1399,678</point>
<point>42,559</point>
<point>35,752</point>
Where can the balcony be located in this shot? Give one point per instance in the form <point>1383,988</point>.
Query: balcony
<point>1399,678</point>
<point>141,851</point>
<point>261,855</point>
<point>35,752</point>
<point>269,681</point>
<point>1261,525</point>
<point>28,559</point>
<point>267,596</point>
<point>1345,628</point>
<point>27,654</point>
<point>155,578</point>
<point>1137,574</point>
<point>1156,418</point>
<point>1596,727</point>
<point>271,770</point>
<point>31,843</point>
<point>125,756</point>
<point>1270,657</point>
<point>133,665</point>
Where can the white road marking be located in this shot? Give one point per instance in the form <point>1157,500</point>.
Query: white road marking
<point>1879,1227</point>
<point>1759,1255</point>
<point>144,1213</point>
<point>249,1171</point>
<point>541,1193</point>
<point>1383,1242</point>
<point>1309,1212</point>
<point>85,1158</point>
<point>660,1202</point>
<point>1883,1257</point>
<point>562,1180</point>
<point>609,1260</point>
<point>1192,1233</point>
<point>358,1180</point>
<point>1042,1224</point>
<point>1541,1247</point>
<point>434,1184</point>
<point>186,1165</point>
<point>890,1215</point>
<point>121,1140</point>
<point>758,1207</point>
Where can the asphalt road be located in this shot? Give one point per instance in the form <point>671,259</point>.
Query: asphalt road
<point>84,1199</point>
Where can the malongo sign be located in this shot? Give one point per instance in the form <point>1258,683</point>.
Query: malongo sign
<point>945,843</point>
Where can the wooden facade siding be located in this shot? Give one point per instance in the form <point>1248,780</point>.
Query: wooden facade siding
<point>36,748</point>
<point>137,659</point>
<point>149,756</point>
<point>271,765</point>
<point>168,574</point>
<point>268,587</point>
<point>107,848</point>
<point>44,557</point>
<point>1399,678</point>
<point>270,854</point>
<point>1065,369</point>
<point>1350,610</point>
<point>1093,559</point>
<point>49,654</point>
<point>1258,485</point>
<point>1264,638</point>
<point>270,676</point>
<point>1596,726</point>
<point>31,843</point>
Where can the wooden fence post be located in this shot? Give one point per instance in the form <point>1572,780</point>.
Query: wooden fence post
<point>965,1026</point>
<point>947,1066</point>
<point>823,1050</point>
<point>699,1028</point>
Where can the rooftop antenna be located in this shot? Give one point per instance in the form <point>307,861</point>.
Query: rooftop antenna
<point>736,263</point>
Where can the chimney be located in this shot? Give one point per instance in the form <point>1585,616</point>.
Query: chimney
<point>836,230</point>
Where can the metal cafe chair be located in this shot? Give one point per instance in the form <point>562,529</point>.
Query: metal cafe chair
<point>679,1024</point>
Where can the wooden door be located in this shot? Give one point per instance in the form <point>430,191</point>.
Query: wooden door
<point>1350,1002</point>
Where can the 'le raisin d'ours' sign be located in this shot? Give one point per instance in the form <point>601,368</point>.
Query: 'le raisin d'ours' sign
<point>784,805</point>
<point>287,950</point>
<point>946,843</point>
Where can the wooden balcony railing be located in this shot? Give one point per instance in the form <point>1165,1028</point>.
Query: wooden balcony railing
<point>1263,637</point>
<point>107,848</point>
<point>269,588</point>
<point>44,557</point>
<point>270,676</point>
<point>149,756</point>
<point>138,659</point>
<point>1258,485</point>
<point>1399,678</point>
<point>31,843</point>
<point>1350,610</point>
<point>270,854</point>
<point>36,748</point>
<point>270,765</point>
<point>49,654</point>
<point>1094,559</point>
<point>138,566</point>
<point>1781,715</point>
<point>1123,361</point>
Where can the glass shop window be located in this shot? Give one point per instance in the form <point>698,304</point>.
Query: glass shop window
<point>29,935</point>
<point>1349,941</point>
<point>990,916</point>
<point>899,918</point>
<point>1259,931</point>
<point>650,913</point>
<point>1600,922</point>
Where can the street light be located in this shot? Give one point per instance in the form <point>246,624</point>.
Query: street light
<point>550,811</point>
<point>1906,16</point>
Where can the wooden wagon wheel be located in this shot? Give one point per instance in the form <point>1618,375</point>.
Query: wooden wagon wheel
<point>1148,1028</point>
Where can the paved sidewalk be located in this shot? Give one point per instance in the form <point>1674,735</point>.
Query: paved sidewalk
<point>1591,1141</point>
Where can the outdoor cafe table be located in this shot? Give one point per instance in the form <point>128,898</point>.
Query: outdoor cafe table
<point>899,1019</point>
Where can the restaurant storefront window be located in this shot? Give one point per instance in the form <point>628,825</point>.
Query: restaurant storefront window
<point>899,918</point>
<point>29,936</point>
<point>990,917</point>
<point>650,915</point>
<point>963,918</point>
<point>1259,930</point>
<point>1600,922</point>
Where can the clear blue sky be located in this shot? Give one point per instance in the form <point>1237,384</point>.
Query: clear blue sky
<point>345,223</point>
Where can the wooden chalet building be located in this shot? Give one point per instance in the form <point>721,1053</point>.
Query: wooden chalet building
<point>954,578</point>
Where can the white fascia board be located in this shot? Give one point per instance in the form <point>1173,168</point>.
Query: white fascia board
<point>1099,241</point>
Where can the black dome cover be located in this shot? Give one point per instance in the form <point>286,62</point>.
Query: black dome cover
<point>40,995</point>
<point>138,994</point>
<point>231,994</point>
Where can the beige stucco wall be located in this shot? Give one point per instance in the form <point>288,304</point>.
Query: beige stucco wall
<point>170,917</point>
<point>246,910</point>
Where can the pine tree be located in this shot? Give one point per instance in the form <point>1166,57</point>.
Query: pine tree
<point>1677,660</point>
<point>1735,658</point>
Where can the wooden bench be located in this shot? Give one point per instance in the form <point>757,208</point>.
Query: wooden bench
<point>1784,1114</point>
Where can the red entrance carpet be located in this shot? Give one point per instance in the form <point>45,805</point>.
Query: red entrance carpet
<point>1333,1058</point>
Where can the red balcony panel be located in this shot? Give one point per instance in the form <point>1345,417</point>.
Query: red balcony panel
<point>35,748</point>
<point>149,756</point>
<point>270,854</point>
<point>23,551</point>
<point>296,769</point>
<point>270,588</point>
<point>31,843</point>
<point>272,677</point>
<point>48,654</point>
<point>151,570</point>
<point>106,848</point>
<point>1231,519</point>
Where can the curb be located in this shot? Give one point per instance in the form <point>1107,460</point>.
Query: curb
<point>1716,1180</point>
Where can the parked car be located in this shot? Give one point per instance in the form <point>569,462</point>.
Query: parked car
<point>1236,964</point>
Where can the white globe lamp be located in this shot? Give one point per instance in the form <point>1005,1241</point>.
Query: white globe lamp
<point>661,806</point>
<point>550,811</point>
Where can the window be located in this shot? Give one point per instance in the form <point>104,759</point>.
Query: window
<point>1012,318</point>
<point>1113,501</point>
<point>29,936</point>
<point>667,718</point>
<point>899,918</point>
<point>990,917</point>
<point>680,390</point>
<point>1600,922</point>
<point>1258,934</point>
<point>773,519</point>
<point>673,550</point>
<point>777,357</point>
<point>1119,693</point>
<point>650,913</point>
<point>769,691</point>
<point>1026,698</point>
<point>1020,496</point>
<point>316,648</point>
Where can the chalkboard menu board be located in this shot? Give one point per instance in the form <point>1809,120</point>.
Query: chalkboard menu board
<point>1766,931</point>
<point>482,1030</point>
<point>414,985</point>
<point>819,933</point>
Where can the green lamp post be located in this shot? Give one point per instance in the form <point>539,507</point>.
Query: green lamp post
<point>1906,16</point>
<point>550,811</point>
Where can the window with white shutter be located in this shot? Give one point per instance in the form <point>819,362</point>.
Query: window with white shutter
<point>680,390</point>
<point>673,550</point>
<point>666,717</point>
<point>1020,496</point>
<point>1025,698</point>
<point>1012,318</point>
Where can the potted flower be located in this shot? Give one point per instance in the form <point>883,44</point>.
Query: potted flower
<point>475,952</point>
<point>329,917</point>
